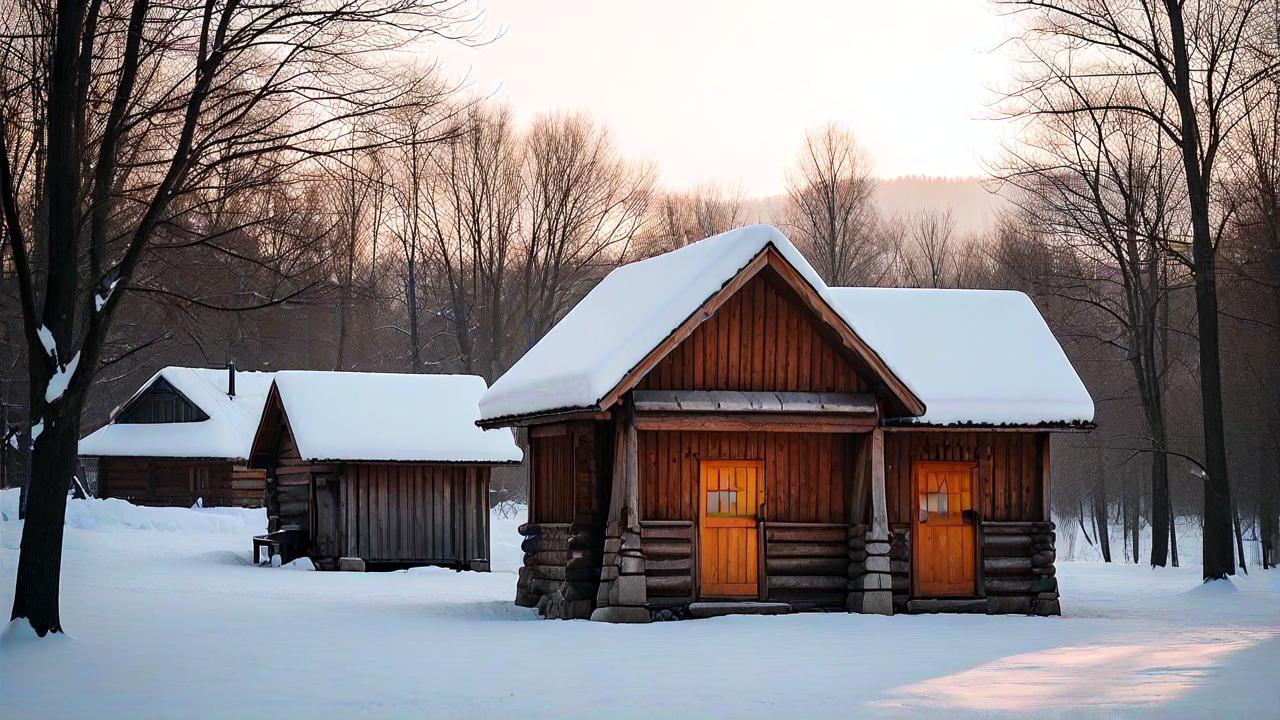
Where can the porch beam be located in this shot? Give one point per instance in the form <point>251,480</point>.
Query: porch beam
<point>623,596</point>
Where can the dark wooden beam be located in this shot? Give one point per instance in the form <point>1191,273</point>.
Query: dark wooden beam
<point>756,422</point>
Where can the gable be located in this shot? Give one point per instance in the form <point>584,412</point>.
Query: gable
<point>760,338</point>
<point>161,402</point>
<point>633,318</point>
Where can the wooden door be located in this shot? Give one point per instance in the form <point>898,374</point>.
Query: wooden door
<point>942,544</point>
<point>728,541</point>
<point>326,527</point>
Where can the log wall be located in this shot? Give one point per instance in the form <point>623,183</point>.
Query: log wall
<point>1018,568</point>
<point>1010,477</point>
<point>670,559</point>
<point>570,475</point>
<point>807,564</point>
<point>805,473</point>
<point>177,482</point>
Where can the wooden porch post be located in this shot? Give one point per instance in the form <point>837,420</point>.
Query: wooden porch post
<point>872,590</point>
<point>622,596</point>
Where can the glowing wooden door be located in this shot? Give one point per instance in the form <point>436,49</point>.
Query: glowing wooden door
<point>942,544</point>
<point>732,491</point>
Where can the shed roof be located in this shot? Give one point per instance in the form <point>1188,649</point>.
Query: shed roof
<point>971,357</point>
<point>387,417</point>
<point>227,433</point>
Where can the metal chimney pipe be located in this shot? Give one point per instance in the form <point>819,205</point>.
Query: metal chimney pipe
<point>231,378</point>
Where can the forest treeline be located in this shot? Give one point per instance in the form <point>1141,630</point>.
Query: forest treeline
<point>199,182</point>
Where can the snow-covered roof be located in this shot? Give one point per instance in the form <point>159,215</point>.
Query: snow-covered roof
<point>974,356</point>
<point>227,433</point>
<point>356,416</point>
<point>1016,373</point>
<point>625,317</point>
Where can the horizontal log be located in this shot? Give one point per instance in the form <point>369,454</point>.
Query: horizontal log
<point>668,584</point>
<point>783,549</point>
<point>547,557</point>
<point>809,600</point>
<point>1008,586</point>
<point>1006,565</point>
<point>1016,527</point>
<point>680,532</point>
<point>666,601</point>
<point>806,533</point>
<point>544,529</point>
<point>1044,559</point>
<point>669,565</point>
<point>666,549</point>
<point>547,572</point>
<point>806,566</point>
<point>538,543</point>
<point>1006,545</point>
<point>807,583</point>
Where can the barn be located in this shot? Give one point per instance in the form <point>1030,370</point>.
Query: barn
<point>182,437</point>
<point>714,430</point>
<point>377,470</point>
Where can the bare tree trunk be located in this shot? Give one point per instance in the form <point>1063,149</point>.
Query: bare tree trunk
<point>35,595</point>
<point>1217,487</point>
<point>1173,532</point>
<point>1100,518</point>
<point>415,342</point>
<point>1235,513</point>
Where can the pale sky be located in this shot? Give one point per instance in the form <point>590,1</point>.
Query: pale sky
<point>722,91</point>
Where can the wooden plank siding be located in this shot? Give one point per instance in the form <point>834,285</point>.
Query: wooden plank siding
<point>551,478</point>
<point>760,339</point>
<point>414,512</point>
<point>804,473</point>
<point>1009,484</point>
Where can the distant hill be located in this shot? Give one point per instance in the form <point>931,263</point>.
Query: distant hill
<point>975,209</point>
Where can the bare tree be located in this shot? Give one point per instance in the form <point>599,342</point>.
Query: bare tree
<point>584,206</point>
<point>471,224</point>
<point>1186,67</point>
<point>1108,190</point>
<point>930,258</point>
<point>830,209</point>
<point>684,218</point>
<point>111,111</point>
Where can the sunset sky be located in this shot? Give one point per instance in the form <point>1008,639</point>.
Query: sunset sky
<point>722,91</point>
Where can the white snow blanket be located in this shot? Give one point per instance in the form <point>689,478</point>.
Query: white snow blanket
<point>167,618</point>
<point>999,366</point>
<point>353,416</point>
<point>227,433</point>
<point>973,356</point>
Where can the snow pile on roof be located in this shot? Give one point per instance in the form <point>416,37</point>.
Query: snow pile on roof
<point>625,317</point>
<point>354,416</point>
<point>227,433</point>
<point>1012,372</point>
<point>973,356</point>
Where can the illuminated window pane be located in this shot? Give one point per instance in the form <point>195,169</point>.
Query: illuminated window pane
<point>713,502</point>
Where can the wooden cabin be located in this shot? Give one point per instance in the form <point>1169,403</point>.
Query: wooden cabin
<point>182,438</point>
<point>377,470</point>
<point>714,430</point>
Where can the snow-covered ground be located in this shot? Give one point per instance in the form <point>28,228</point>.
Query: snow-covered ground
<point>167,618</point>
